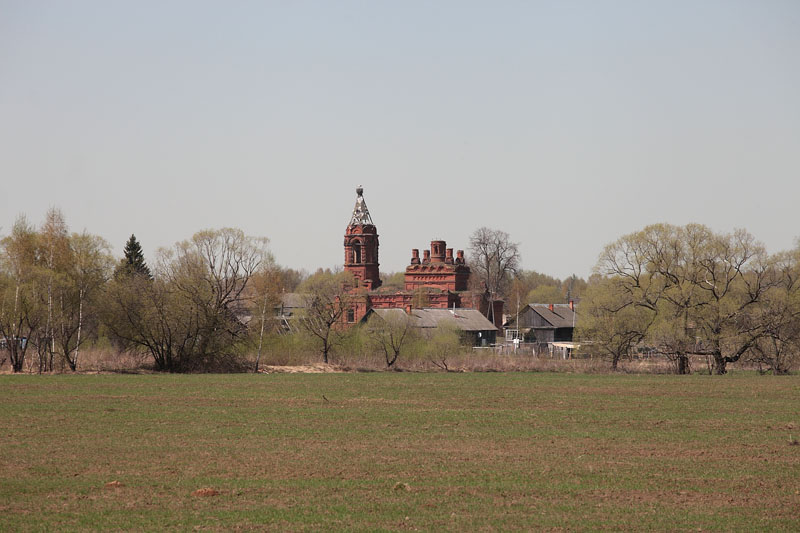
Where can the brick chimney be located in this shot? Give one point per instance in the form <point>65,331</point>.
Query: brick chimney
<point>426,256</point>
<point>572,305</point>
<point>460,257</point>
<point>448,258</point>
<point>437,251</point>
<point>415,256</point>
<point>550,307</point>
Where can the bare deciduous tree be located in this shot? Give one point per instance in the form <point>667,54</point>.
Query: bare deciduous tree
<point>55,257</point>
<point>612,319</point>
<point>265,295</point>
<point>76,308</point>
<point>778,348</point>
<point>328,298</point>
<point>444,343</point>
<point>23,292</point>
<point>391,333</point>
<point>189,316</point>
<point>702,286</point>
<point>494,258</point>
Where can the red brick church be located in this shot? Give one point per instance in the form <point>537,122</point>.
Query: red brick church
<point>437,280</point>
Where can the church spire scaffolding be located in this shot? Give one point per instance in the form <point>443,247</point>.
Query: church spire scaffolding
<point>361,214</point>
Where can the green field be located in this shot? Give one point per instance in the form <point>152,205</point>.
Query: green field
<point>396,451</point>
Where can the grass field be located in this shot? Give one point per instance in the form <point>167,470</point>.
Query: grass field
<point>396,451</point>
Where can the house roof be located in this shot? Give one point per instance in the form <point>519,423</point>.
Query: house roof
<point>560,317</point>
<point>463,319</point>
<point>383,313</point>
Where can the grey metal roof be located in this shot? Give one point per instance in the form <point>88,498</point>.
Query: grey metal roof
<point>560,317</point>
<point>463,319</point>
<point>383,313</point>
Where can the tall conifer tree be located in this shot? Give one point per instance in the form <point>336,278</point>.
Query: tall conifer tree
<point>134,260</point>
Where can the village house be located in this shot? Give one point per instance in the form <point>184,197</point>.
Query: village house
<point>548,326</point>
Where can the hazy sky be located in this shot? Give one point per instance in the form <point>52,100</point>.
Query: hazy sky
<point>567,123</point>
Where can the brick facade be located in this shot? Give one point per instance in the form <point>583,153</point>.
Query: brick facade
<point>438,269</point>
<point>361,254</point>
<point>438,280</point>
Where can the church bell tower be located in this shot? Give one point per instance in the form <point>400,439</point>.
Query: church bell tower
<point>361,245</point>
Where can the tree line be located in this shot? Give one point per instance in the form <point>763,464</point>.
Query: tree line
<point>202,305</point>
<point>208,301</point>
<point>675,291</point>
<point>684,290</point>
<point>60,290</point>
<point>49,287</point>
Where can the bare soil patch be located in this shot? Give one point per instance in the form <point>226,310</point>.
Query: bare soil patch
<point>205,492</point>
<point>318,368</point>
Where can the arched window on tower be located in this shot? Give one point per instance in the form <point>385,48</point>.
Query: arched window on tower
<point>357,257</point>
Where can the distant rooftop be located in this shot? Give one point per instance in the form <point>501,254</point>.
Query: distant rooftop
<point>464,319</point>
<point>560,317</point>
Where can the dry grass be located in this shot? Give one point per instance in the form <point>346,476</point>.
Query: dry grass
<point>108,360</point>
<point>488,361</point>
<point>111,360</point>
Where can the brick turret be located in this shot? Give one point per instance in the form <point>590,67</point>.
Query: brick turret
<point>361,245</point>
<point>438,269</point>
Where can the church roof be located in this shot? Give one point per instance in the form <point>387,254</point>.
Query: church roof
<point>463,319</point>
<point>360,212</point>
